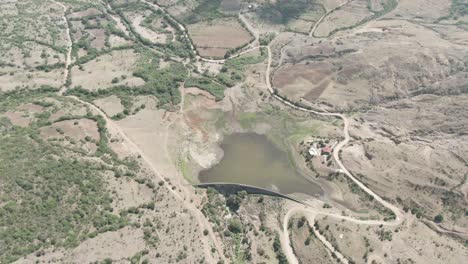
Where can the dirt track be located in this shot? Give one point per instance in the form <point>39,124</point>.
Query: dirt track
<point>312,31</point>
<point>66,70</point>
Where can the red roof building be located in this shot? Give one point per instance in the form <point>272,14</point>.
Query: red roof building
<point>327,150</point>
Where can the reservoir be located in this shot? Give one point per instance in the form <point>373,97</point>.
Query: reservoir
<point>252,159</point>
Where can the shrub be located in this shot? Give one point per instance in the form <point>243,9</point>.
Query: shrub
<point>235,226</point>
<point>233,202</point>
<point>438,218</point>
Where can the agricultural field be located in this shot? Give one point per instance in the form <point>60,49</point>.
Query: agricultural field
<point>219,37</point>
<point>304,80</point>
<point>305,22</point>
<point>349,15</point>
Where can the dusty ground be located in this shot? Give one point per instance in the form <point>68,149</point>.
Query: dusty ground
<point>413,242</point>
<point>349,15</point>
<point>99,73</point>
<point>215,38</point>
<point>306,246</point>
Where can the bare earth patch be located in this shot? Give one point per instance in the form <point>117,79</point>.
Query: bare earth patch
<point>347,16</point>
<point>80,133</point>
<point>87,12</point>
<point>110,105</point>
<point>99,73</point>
<point>303,80</point>
<point>147,33</point>
<point>215,38</point>
<point>18,118</point>
<point>127,192</point>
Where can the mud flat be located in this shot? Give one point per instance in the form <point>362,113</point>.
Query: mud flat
<point>252,159</point>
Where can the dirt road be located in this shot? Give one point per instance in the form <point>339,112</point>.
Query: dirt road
<point>312,31</point>
<point>69,47</point>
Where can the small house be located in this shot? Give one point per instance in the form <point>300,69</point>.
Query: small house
<point>327,150</point>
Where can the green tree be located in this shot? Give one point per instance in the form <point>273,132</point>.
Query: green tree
<point>235,226</point>
<point>438,218</point>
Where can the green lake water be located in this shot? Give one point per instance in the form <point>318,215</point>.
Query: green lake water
<point>252,159</point>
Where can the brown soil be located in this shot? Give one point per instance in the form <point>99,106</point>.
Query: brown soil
<point>18,118</point>
<point>317,91</point>
<point>88,12</point>
<point>303,80</point>
<point>216,35</point>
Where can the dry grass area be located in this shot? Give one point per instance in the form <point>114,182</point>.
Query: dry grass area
<point>37,20</point>
<point>81,134</point>
<point>116,245</point>
<point>308,80</point>
<point>306,245</point>
<point>428,150</point>
<point>347,16</point>
<point>24,114</point>
<point>215,38</point>
<point>413,242</point>
<point>148,33</point>
<point>22,79</point>
<point>100,72</point>
<point>21,65</point>
<point>94,29</point>
<point>305,22</point>
<point>381,61</point>
<point>425,10</point>
<point>150,27</point>
<point>110,105</point>
<point>127,193</point>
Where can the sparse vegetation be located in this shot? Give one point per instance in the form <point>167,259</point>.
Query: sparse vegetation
<point>205,10</point>
<point>281,11</point>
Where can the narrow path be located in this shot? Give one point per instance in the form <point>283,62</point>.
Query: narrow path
<point>69,46</point>
<point>254,32</point>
